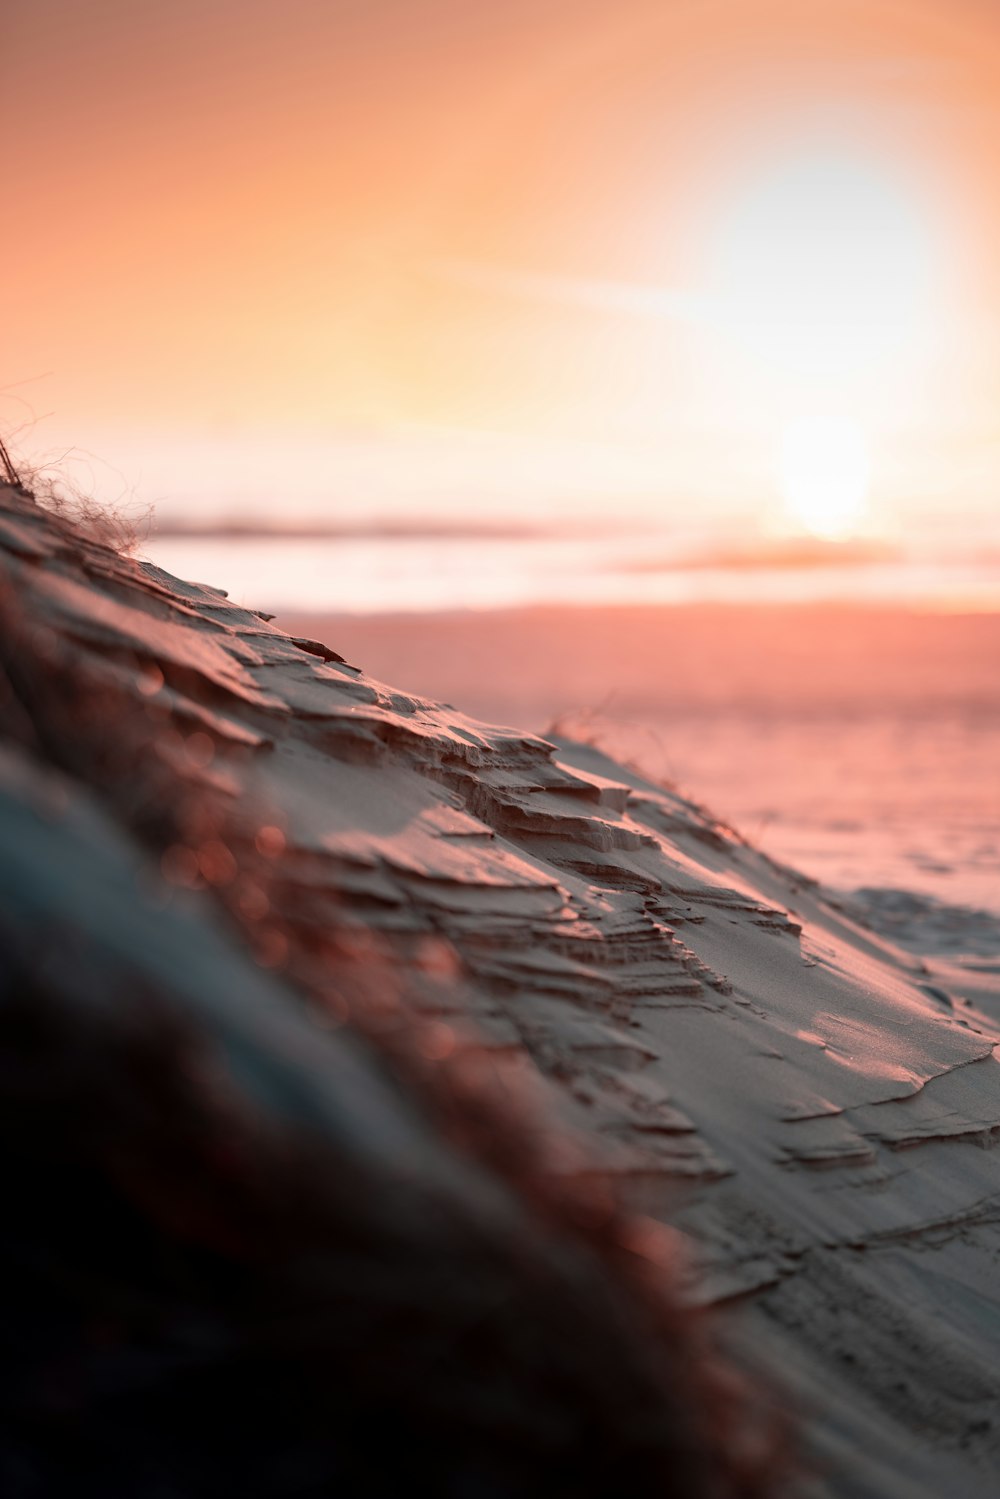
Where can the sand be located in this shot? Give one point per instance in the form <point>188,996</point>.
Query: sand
<point>857,742</point>
<point>814,1105</point>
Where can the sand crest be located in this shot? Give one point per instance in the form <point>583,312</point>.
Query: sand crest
<point>745,1060</point>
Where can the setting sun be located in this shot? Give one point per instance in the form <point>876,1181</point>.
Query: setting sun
<point>824,264</point>
<point>825,472</point>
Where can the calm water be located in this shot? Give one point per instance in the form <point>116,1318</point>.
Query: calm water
<point>373,575</point>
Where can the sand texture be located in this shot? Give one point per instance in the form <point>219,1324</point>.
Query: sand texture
<point>815,1106</point>
<point>858,743</point>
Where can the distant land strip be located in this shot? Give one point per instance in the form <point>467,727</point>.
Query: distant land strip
<point>378,530</point>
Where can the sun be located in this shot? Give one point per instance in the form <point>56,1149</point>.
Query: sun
<point>825,475</point>
<point>824,264</point>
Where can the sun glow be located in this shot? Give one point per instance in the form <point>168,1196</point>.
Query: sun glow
<point>825,472</point>
<point>825,275</point>
<point>825,264</point>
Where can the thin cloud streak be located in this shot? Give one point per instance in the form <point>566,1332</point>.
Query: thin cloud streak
<point>599,296</point>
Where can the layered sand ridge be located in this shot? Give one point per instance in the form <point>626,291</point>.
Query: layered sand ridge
<point>812,1105</point>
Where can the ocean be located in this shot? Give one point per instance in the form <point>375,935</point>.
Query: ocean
<point>497,569</point>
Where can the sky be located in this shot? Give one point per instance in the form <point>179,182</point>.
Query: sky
<point>554,258</point>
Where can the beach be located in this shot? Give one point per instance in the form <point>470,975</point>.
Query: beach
<point>858,743</point>
<point>361,903</point>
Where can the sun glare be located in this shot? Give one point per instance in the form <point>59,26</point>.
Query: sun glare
<point>825,474</point>
<point>824,264</point>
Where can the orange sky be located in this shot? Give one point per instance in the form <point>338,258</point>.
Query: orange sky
<point>393,243</point>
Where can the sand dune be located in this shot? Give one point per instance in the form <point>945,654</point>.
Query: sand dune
<point>857,743</point>
<point>814,1106</point>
